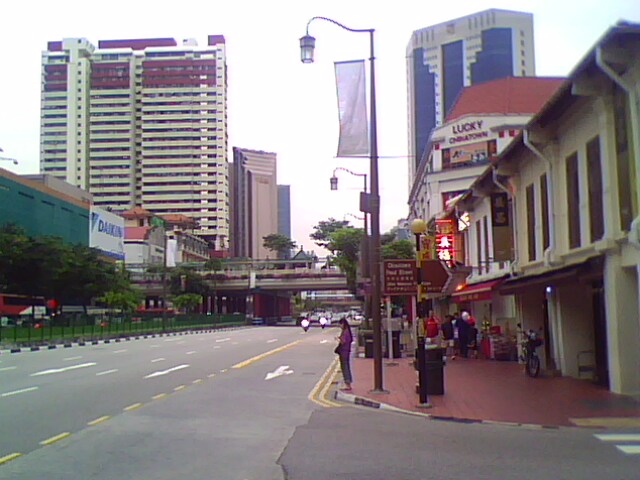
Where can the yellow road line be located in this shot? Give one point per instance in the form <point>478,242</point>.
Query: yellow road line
<point>159,396</point>
<point>179,387</point>
<point>99,420</point>
<point>319,391</point>
<point>132,407</point>
<point>55,439</point>
<point>8,458</point>
<point>263,355</point>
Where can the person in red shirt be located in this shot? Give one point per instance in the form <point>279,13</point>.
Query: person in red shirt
<point>431,325</point>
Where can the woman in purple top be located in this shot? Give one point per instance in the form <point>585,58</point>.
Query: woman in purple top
<point>344,352</point>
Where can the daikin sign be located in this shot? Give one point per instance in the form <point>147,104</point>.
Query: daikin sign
<point>107,233</point>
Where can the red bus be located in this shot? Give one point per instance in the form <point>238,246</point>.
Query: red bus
<point>16,305</point>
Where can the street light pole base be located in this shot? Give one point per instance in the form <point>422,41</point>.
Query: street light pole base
<point>379,392</point>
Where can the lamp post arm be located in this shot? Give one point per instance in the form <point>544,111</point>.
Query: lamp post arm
<point>358,30</point>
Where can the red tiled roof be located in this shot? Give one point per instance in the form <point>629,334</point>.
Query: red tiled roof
<point>512,95</point>
<point>136,233</point>
<point>136,213</point>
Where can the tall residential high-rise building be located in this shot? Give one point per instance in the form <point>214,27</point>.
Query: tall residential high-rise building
<point>140,123</point>
<point>254,202</point>
<point>444,58</point>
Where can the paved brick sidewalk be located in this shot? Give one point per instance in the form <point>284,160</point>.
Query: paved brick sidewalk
<point>499,391</point>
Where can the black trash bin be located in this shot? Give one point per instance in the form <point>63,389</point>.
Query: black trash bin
<point>368,344</point>
<point>395,340</point>
<point>435,370</point>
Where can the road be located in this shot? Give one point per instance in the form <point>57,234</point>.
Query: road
<point>247,404</point>
<point>161,407</point>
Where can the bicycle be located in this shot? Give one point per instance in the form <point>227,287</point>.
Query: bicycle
<point>529,355</point>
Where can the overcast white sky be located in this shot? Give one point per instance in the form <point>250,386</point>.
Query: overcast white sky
<point>275,102</point>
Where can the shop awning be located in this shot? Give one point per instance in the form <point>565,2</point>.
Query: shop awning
<point>476,292</point>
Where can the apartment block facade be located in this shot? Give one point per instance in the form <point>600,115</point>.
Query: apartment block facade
<point>444,58</point>
<point>140,123</point>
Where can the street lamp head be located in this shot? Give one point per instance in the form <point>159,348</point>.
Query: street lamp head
<point>307,45</point>
<point>418,226</point>
<point>334,183</point>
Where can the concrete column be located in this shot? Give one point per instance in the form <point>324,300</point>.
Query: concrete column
<point>622,294</point>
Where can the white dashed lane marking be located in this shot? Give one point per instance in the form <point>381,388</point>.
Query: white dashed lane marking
<point>17,392</point>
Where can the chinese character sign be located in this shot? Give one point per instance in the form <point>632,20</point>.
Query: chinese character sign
<point>444,247</point>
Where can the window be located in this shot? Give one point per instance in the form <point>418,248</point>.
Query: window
<point>573,200</point>
<point>544,200</point>
<point>623,157</point>
<point>486,243</point>
<point>531,222</point>
<point>594,173</point>
<point>479,246</point>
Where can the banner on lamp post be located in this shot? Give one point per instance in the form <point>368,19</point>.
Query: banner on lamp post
<point>352,108</point>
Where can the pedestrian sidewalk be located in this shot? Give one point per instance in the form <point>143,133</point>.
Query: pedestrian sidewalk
<point>492,391</point>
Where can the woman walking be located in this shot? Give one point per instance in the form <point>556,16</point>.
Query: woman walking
<point>344,352</point>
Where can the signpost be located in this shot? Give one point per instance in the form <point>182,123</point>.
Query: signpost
<point>400,277</point>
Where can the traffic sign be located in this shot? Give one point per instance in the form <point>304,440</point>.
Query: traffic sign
<point>433,276</point>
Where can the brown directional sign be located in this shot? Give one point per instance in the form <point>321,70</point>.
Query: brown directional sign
<point>433,276</point>
<point>400,277</point>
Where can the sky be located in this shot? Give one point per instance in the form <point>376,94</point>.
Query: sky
<point>276,103</point>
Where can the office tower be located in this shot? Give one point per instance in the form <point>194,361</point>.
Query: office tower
<point>140,123</point>
<point>284,210</point>
<point>444,58</point>
<point>254,202</point>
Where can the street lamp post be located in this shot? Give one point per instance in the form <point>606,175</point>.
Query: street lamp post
<point>307,45</point>
<point>366,239</point>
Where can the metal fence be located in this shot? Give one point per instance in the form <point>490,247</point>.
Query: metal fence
<point>87,328</point>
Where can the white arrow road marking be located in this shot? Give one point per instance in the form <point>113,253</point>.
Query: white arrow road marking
<point>223,340</point>
<point>7,368</point>
<point>278,372</point>
<point>272,340</point>
<point>106,372</point>
<point>16,392</point>
<point>164,372</point>
<point>60,370</point>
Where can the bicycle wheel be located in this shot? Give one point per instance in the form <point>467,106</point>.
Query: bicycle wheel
<point>533,366</point>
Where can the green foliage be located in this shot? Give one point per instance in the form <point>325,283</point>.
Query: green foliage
<point>324,230</point>
<point>125,301</point>
<point>184,279</point>
<point>399,249</point>
<point>214,264</point>
<point>49,267</point>
<point>187,301</point>
<point>345,245</point>
<point>278,243</point>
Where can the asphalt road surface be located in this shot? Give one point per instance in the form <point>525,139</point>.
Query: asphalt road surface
<point>249,404</point>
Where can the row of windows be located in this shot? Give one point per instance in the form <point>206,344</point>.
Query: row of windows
<point>573,198</point>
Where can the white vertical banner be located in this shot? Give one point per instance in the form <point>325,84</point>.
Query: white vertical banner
<point>172,252</point>
<point>352,108</point>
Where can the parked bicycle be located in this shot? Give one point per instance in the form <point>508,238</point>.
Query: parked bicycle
<point>529,356</point>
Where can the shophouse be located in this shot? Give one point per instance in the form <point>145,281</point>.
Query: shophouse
<point>570,186</point>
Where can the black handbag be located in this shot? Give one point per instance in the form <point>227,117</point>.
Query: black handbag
<point>337,349</point>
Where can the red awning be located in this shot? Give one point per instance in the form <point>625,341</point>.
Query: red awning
<point>476,292</point>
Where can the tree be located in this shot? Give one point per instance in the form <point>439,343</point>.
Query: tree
<point>324,229</point>
<point>187,302</point>
<point>13,244</point>
<point>345,245</point>
<point>278,243</point>
<point>215,265</point>
<point>399,249</point>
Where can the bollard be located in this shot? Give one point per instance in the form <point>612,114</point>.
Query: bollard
<point>421,354</point>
